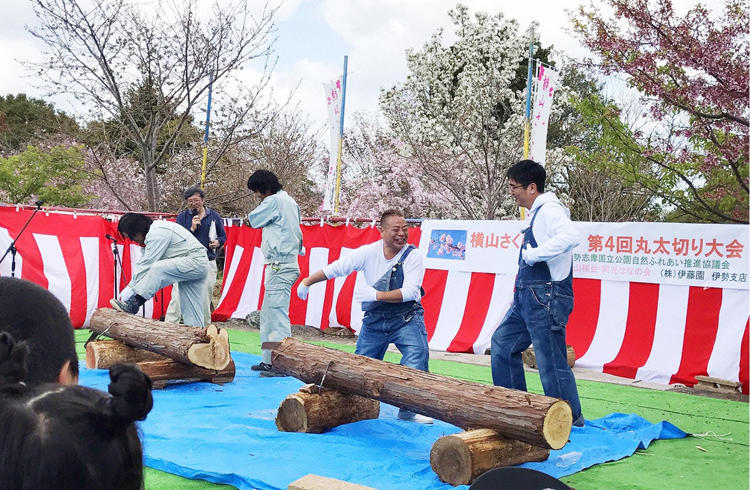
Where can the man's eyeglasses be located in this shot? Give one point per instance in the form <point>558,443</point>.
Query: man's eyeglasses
<point>513,187</point>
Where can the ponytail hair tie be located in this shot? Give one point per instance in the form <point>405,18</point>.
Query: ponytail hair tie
<point>130,397</point>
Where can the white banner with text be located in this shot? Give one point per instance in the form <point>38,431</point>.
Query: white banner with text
<point>660,253</point>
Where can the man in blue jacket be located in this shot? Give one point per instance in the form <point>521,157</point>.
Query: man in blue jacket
<point>207,226</point>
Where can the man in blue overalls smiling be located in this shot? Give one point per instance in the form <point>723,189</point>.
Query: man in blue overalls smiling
<point>390,295</point>
<point>543,296</point>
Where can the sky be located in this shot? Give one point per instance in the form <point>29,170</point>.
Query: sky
<point>312,38</point>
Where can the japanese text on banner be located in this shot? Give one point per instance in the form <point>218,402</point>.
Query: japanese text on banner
<point>332,91</point>
<point>545,84</point>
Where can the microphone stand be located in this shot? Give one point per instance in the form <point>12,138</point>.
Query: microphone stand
<point>116,257</point>
<point>12,247</point>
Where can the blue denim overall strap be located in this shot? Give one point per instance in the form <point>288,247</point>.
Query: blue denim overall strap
<point>392,279</point>
<point>538,316</point>
<point>538,274</point>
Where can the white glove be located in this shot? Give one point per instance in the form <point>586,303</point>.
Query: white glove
<point>302,250</point>
<point>529,255</point>
<point>365,293</point>
<point>302,291</point>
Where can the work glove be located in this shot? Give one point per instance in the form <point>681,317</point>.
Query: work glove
<point>529,255</point>
<point>302,291</point>
<point>365,293</point>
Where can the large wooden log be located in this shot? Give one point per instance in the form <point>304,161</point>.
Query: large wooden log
<point>102,354</point>
<point>205,347</point>
<point>536,419</point>
<point>168,371</point>
<point>460,458</point>
<point>314,412</point>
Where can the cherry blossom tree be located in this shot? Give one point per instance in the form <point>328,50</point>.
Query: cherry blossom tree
<point>458,114</point>
<point>692,72</point>
<point>380,177</point>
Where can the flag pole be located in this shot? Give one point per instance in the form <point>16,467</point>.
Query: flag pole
<point>527,119</point>
<point>341,142</point>
<point>205,136</point>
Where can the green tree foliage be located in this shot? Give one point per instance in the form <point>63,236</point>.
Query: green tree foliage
<point>54,176</point>
<point>25,121</point>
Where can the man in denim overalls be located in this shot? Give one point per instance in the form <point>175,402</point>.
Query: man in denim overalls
<point>278,215</point>
<point>390,295</point>
<point>543,297</point>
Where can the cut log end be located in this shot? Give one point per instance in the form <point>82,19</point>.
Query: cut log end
<point>214,354</point>
<point>292,416</point>
<point>557,424</point>
<point>451,460</point>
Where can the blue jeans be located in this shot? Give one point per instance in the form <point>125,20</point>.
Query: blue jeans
<point>406,330</point>
<point>538,316</point>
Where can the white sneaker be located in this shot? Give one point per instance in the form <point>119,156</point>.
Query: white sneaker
<point>422,419</point>
<point>414,417</point>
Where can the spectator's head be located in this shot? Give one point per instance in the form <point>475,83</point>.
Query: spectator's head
<point>35,316</point>
<point>134,226</point>
<point>263,183</point>
<point>526,181</point>
<point>393,228</point>
<point>71,435</point>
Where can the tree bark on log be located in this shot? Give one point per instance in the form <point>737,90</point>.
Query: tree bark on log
<point>205,347</point>
<point>102,354</point>
<point>168,370</point>
<point>536,419</point>
<point>460,458</point>
<point>313,412</point>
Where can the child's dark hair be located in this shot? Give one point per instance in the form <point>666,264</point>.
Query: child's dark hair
<point>528,172</point>
<point>264,181</point>
<point>56,436</point>
<point>34,315</point>
<point>132,224</point>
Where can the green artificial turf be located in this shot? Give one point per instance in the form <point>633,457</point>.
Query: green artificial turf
<point>718,459</point>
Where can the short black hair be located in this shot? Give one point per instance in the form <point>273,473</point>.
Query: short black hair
<point>132,224</point>
<point>76,435</point>
<point>528,172</point>
<point>264,181</point>
<point>35,316</point>
<point>390,212</point>
<point>190,191</point>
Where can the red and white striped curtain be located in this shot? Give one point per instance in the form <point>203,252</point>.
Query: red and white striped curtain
<point>68,254</point>
<point>650,332</point>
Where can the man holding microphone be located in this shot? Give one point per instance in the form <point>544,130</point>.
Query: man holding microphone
<point>207,226</point>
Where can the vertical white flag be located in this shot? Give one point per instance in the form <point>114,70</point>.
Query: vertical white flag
<point>333,97</point>
<point>545,84</point>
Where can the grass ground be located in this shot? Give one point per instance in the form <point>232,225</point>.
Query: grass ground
<point>716,456</point>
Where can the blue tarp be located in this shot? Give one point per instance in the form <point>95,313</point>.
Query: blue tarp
<point>227,434</point>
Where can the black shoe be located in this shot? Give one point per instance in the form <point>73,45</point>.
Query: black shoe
<point>130,306</point>
<point>261,367</point>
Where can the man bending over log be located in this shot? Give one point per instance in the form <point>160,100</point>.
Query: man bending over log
<point>390,295</point>
<point>172,255</point>
<point>543,297</point>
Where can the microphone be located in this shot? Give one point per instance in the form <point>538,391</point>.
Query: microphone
<point>194,212</point>
<point>39,203</point>
<point>110,237</point>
